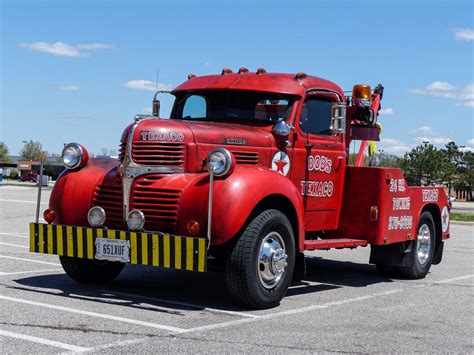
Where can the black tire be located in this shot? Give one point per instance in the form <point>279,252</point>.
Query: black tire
<point>419,270</point>
<point>299,273</point>
<point>242,267</point>
<point>90,271</point>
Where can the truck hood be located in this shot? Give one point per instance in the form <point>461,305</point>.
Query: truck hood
<point>182,131</point>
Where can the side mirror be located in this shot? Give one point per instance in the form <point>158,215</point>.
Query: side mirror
<point>156,107</point>
<point>338,117</point>
<point>281,129</point>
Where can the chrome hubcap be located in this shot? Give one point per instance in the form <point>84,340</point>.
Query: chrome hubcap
<point>423,244</point>
<point>271,261</point>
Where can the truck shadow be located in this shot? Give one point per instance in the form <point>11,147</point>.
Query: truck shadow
<point>173,291</point>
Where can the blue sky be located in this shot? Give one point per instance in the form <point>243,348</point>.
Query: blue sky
<point>79,70</point>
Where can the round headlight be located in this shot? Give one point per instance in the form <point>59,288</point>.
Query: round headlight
<point>96,216</point>
<point>72,155</point>
<point>220,162</point>
<point>135,220</point>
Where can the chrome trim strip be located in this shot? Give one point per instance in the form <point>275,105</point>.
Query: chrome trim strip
<point>311,90</point>
<point>209,211</point>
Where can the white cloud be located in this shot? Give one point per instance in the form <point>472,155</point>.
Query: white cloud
<point>146,85</point>
<point>467,104</point>
<point>92,46</point>
<point>447,90</point>
<point>470,141</point>
<point>468,92</point>
<point>58,48</point>
<point>422,130</point>
<point>387,111</point>
<point>440,85</point>
<point>69,88</point>
<point>464,34</point>
<point>394,146</point>
<point>63,49</point>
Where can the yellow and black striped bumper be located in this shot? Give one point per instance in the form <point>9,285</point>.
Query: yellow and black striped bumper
<point>155,249</point>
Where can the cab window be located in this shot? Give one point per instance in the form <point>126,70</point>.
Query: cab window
<point>316,116</point>
<point>195,107</point>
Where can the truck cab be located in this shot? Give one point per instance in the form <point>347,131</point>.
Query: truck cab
<point>251,170</point>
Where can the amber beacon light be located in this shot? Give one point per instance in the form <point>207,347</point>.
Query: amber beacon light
<point>361,92</point>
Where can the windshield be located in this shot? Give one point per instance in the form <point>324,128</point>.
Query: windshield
<point>232,105</point>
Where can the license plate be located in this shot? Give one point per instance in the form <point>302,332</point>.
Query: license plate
<point>112,249</point>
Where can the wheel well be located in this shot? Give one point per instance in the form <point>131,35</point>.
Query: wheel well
<point>435,212</point>
<point>282,204</point>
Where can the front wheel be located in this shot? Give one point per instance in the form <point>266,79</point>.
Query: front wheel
<point>90,271</point>
<point>260,265</point>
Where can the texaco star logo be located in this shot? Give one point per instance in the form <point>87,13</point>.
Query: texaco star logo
<point>281,163</point>
<point>445,219</point>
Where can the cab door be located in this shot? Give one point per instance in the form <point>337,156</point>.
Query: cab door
<point>320,155</point>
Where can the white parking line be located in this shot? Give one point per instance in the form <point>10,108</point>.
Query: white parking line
<point>17,235</point>
<point>27,272</point>
<point>22,201</point>
<point>30,260</point>
<point>185,304</point>
<point>94,314</point>
<point>15,245</point>
<point>56,344</point>
<point>291,311</point>
<point>119,344</point>
<point>454,279</point>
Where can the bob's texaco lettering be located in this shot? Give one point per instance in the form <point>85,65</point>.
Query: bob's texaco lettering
<point>319,163</point>
<point>317,188</point>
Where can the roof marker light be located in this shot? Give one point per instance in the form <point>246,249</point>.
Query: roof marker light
<point>300,75</point>
<point>192,76</point>
<point>243,70</point>
<point>226,71</point>
<point>261,71</point>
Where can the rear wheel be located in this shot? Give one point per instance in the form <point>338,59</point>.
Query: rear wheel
<point>421,254</point>
<point>260,265</point>
<point>90,271</point>
<point>423,251</point>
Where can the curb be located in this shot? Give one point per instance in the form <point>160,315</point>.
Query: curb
<point>463,223</point>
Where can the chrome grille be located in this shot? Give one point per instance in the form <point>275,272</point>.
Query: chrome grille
<point>109,196</point>
<point>158,153</point>
<point>246,158</point>
<point>122,147</point>
<point>160,205</point>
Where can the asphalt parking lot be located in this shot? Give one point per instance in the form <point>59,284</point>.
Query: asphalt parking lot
<point>344,305</point>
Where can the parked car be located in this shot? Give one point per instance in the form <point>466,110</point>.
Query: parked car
<point>28,177</point>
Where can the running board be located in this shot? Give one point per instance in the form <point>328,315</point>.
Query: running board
<point>334,243</point>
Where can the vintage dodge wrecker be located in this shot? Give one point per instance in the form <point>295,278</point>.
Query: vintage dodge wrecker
<point>250,170</point>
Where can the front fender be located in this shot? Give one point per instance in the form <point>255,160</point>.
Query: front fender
<point>235,197</point>
<point>72,193</point>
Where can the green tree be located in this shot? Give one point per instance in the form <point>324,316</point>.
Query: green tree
<point>33,151</point>
<point>4,154</point>
<point>423,165</point>
<point>451,166</point>
<point>464,180</point>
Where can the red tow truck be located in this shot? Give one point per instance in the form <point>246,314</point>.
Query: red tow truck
<point>251,170</point>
